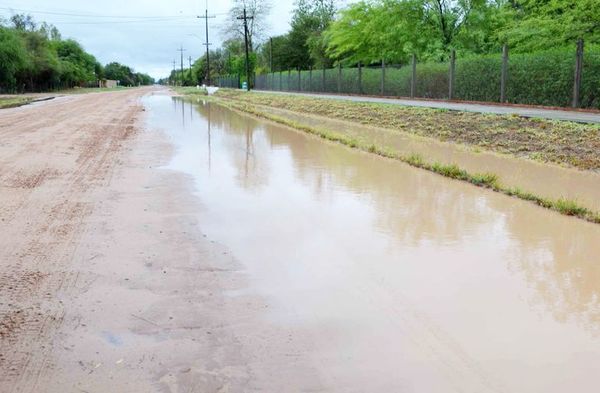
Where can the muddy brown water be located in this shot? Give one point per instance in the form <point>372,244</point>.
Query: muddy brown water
<point>546,180</point>
<point>404,280</point>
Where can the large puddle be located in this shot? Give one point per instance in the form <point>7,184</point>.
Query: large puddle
<point>405,280</point>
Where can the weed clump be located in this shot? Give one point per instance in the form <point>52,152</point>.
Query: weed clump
<point>570,208</point>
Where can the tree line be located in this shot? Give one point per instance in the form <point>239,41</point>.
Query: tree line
<point>35,57</point>
<point>323,34</point>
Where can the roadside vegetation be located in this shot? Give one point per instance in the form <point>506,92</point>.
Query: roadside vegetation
<point>13,102</point>
<point>564,143</point>
<point>247,102</point>
<point>35,57</point>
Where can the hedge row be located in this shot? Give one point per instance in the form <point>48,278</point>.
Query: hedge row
<point>543,78</point>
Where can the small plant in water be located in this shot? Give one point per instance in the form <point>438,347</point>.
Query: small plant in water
<point>485,180</point>
<point>415,159</point>
<point>570,208</point>
<point>452,171</point>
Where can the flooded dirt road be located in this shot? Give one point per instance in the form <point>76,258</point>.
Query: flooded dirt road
<point>189,248</point>
<point>394,279</point>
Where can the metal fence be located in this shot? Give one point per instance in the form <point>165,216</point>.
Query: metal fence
<point>557,79</point>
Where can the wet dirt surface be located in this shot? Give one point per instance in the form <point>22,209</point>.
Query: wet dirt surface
<point>202,250</point>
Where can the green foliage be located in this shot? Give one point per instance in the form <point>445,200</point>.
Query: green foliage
<point>540,24</point>
<point>371,30</point>
<point>125,75</point>
<point>36,58</point>
<point>305,44</point>
<point>13,57</point>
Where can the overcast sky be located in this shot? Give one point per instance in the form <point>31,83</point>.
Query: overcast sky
<point>132,38</point>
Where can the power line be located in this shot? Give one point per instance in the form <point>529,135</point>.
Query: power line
<point>91,15</point>
<point>115,22</point>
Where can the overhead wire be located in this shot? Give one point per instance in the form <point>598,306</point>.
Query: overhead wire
<point>89,15</point>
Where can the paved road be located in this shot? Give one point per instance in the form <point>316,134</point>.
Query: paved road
<point>553,114</point>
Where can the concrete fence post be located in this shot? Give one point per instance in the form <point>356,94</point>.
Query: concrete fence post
<point>578,73</point>
<point>339,78</point>
<point>504,75</point>
<point>360,89</point>
<point>413,79</point>
<point>382,77</point>
<point>452,73</point>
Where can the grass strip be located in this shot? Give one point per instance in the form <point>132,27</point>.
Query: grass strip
<point>485,180</point>
<point>14,102</point>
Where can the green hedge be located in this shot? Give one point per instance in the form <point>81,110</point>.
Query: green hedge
<point>542,78</point>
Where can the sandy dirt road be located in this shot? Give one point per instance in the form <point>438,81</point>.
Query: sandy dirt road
<point>106,282</point>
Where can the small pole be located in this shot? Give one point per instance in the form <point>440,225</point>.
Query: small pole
<point>504,75</point>
<point>339,78</point>
<point>360,89</point>
<point>413,80</point>
<point>451,76</point>
<point>578,72</point>
<point>382,77</point>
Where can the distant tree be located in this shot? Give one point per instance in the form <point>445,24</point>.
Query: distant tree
<point>259,10</point>
<point>121,73</point>
<point>23,22</point>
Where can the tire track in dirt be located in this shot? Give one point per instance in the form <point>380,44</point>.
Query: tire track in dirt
<point>53,158</point>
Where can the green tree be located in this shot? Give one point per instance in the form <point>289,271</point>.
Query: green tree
<point>541,24</point>
<point>13,57</point>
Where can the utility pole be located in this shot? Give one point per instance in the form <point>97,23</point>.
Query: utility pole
<point>206,18</point>
<point>174,81</point>
<point>181,50</point>
<point>245,19</point>
<point>190,62</point>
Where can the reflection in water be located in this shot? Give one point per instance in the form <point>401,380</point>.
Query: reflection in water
<point>503,287</point>
<point>564,267</point>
